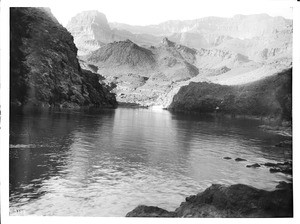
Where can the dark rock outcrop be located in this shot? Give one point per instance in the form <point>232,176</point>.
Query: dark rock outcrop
<point>271,96</point>
<point>229,201</point>
<point>44,69</point>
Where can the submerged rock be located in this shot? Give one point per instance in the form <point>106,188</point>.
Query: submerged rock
<point>284,185</point>
<point>286,170</point>
<point>228,201</point>
<point>240,159</point>
<point>270,164</point>
<point>255,165</point>
<point>286,143</point>
<point>285,167</point>
<point>226,157</point>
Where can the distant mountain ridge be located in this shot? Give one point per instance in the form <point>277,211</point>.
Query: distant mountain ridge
<point>259,37</point>
<point>149,64</point>
<point>238,26</point>
<point>153,71</point>
<point>91,31</point>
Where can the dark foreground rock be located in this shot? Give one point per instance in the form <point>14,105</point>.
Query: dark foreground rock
<point>228,201</point>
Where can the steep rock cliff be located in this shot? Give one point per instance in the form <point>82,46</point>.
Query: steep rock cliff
<point>91,31</point>
<point>44,69</point>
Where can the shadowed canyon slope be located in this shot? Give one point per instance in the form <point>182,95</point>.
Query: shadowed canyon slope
<point>269,96</point>
<point>44,67</point>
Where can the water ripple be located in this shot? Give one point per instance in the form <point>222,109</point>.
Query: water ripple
<point>108,163</point>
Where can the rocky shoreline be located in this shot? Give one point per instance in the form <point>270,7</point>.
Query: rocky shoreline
<point>234,201</point>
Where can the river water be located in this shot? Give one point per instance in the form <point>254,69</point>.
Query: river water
<point>105,163</point>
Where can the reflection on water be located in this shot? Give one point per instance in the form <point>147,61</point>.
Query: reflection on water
<point>105,163</point>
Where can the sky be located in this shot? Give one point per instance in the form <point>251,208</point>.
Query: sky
<point>146,12</point>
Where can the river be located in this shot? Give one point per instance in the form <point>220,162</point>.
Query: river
<point>106,162</point>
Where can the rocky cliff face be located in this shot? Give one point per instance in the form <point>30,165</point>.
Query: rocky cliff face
<point>91,31</point>
<point>44,69</point>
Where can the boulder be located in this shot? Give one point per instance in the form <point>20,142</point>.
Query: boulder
<point>270,164</point>
<point>240,159</point>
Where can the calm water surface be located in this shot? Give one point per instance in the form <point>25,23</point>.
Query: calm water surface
<point>106,163</point>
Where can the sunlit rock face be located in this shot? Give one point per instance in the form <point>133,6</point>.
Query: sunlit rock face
<point>236,27</point>
<point>257,36</point>
<point>44,69</point>
<point>90,29</point>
